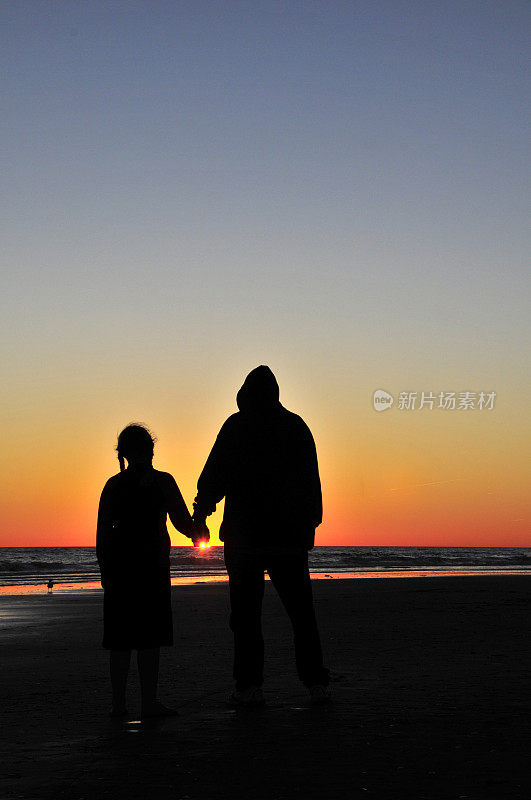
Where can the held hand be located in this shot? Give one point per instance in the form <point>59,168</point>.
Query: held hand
<point>201,533</point>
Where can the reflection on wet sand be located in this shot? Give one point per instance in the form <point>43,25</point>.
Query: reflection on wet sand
<point>189,580</point>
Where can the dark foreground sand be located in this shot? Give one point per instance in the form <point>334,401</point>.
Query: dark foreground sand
<point>431,688</point>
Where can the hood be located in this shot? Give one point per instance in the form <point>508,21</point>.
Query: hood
<point>259,392</point>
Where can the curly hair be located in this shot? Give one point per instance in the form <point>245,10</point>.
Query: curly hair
<point>134,440</point>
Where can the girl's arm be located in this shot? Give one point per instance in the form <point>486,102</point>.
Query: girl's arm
<point>176,507</point>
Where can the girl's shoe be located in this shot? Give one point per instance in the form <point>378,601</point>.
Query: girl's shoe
<point>319,695</point>
<point>247,698</point>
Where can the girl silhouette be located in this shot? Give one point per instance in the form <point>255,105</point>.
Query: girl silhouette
<point>132,548</point>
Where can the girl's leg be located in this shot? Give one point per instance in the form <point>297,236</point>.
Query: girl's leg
<point>119,667</point>
<point>148,668</point>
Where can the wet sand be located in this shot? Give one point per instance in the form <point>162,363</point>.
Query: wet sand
<point>431,698</point>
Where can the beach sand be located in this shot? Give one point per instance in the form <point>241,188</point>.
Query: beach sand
<point>431,698</point>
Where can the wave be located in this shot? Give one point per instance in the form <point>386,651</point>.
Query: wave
<point>43,566</point>
<point>426,559</point>
<point>26,565</point>
<point>196,561</point>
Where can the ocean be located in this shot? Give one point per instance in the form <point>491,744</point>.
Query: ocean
<point>34,566</point>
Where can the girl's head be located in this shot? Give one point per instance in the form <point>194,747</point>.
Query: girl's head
<point>135,443</point>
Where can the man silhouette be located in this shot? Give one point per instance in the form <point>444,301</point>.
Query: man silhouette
<point>264,463</point>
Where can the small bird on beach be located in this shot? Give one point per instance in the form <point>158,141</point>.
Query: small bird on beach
<point>50,585</point>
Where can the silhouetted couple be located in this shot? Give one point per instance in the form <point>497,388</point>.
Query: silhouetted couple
<point>264,464</point>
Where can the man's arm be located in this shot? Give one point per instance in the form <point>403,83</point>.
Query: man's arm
<point>310,475</point>
<point>211,486</point>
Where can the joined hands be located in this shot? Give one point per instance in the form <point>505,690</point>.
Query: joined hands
<point>201,532</point>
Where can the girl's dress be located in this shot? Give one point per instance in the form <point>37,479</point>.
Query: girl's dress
<point>133,549</point>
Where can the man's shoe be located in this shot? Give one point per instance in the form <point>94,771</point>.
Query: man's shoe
<point>118,711</point>
<point>319,695</point>
<point>247,698</point>
<point>158,709</point>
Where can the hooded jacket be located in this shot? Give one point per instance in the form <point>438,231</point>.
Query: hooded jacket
<point>264,463</point>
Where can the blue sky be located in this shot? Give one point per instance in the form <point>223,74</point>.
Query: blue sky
<point>338,189</point>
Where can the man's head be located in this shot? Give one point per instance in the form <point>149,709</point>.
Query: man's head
<point>259,392</point>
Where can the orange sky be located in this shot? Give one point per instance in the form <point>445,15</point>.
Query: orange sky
<point>399,477</point>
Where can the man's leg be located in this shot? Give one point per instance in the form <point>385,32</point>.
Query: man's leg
<point>246,584</point>
<point>290,577</point>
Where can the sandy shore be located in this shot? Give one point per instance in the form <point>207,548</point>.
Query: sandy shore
<point>431,699</point>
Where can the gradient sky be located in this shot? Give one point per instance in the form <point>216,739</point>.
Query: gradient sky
<point>335,189</point>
